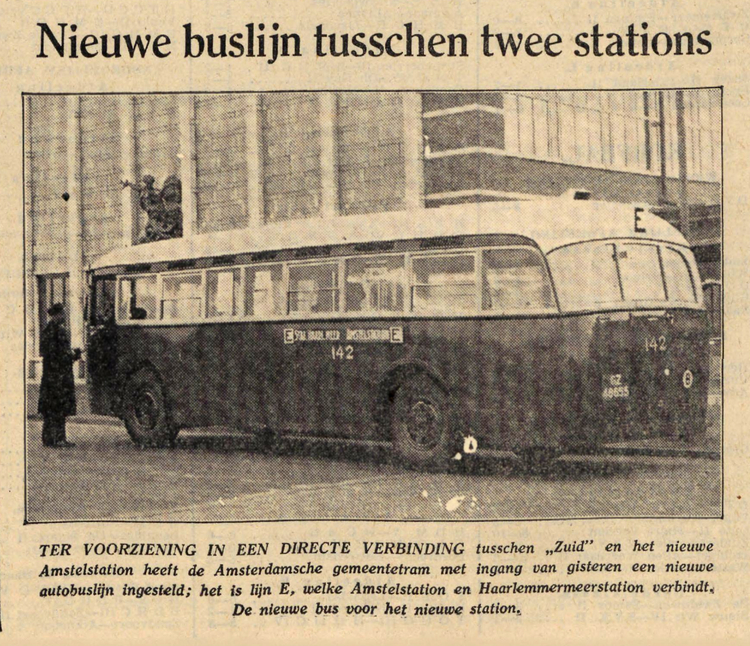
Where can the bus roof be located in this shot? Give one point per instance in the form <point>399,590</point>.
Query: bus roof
<point>551,223</point>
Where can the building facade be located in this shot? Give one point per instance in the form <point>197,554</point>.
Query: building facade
<point>245,160</point>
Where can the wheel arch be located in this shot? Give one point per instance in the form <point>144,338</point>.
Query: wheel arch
<point>162,431</point>
<point>390,381</point>
<point>127,374</point>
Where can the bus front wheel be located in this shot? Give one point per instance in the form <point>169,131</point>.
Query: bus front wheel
<point>145,411</point>
<point>420,424</point>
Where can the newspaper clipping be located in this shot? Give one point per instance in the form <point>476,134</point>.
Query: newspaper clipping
<point>373,322</point>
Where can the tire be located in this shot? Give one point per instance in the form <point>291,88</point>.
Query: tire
<point>421,428</point>
<point>145,411</point>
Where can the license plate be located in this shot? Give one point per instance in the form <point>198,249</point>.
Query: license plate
<point>614,388</point>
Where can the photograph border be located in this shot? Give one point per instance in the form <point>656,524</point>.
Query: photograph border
<point>26,314</point>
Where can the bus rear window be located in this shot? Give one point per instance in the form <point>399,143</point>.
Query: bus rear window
<point>677,276</point>
<point>640,272</point>
<point>593,274</point>
<point>513,280</point>
<point>137,298</point>
<point>585,275</point>
<point>443,284</point>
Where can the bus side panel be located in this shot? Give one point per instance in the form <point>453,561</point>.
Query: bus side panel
<point>521,389</point>
<point>583,380</point>
<point>174,352</point>
<point>310,389</point>
<point>218,374</point>
<point>503,376</point>
<point>515,383</point>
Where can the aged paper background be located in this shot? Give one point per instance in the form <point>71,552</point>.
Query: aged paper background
<point>722,617</point>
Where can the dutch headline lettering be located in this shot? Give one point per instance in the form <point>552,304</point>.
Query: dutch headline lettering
<point>268,42</point>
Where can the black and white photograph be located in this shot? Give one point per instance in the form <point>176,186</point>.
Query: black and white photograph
<point>370,305</point>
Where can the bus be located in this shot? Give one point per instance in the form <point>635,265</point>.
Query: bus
<point>533,328</point>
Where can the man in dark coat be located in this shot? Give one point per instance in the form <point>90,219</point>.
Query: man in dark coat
<point>57,395</point>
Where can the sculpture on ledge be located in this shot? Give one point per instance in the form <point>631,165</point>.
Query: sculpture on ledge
<point>163,207</point>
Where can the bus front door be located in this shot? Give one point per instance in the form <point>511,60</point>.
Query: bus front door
<point>102,346</point>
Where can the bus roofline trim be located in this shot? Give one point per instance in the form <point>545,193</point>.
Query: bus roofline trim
<point>549,223</point>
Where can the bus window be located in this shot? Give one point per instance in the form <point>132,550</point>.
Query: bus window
<point>137,298</point>
<point>640,272</point>
<point>103,310</point>
<point>264,293</point>
<point>313,288</point>
<point>585,275</point>
<point>375,284</point>
<point>223,292</point>
<point>514,279</point>
<point>443,284</point>
<point>181,297</point>
<point>677,275</point>
<point>712,300</point>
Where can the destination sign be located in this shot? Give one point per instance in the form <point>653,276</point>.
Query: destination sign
<point>360,335</point>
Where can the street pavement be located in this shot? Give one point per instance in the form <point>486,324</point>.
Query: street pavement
<point>208,477</point>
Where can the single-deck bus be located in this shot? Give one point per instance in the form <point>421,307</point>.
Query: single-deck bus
<point>533,327</point>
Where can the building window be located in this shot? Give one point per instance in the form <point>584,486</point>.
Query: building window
<point>52,289</point>
<point>703,133</point>
<point>617,130</point>
<point>610,129</point>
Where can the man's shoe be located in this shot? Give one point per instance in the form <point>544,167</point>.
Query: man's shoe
<point>65,444</point>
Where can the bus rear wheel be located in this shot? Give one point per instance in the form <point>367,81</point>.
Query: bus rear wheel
<point>145,411</point>
<point>420,424</point>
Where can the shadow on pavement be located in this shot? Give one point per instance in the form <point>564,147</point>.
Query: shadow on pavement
<point>568,468</point>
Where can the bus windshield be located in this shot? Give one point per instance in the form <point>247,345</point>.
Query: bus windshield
<point>612,273</point>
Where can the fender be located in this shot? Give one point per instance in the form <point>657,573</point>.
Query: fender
<point>391,379</point>
<point>124,375</point>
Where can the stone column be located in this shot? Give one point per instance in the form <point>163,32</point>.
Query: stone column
<point>187,164</point>
<point>329,193</point>
<point>254,160</point>
<point>76,282</point>
<point>129,198</point>
<point>413,151</point>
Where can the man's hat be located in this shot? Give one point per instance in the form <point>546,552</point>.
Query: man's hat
<point>57,308</point>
